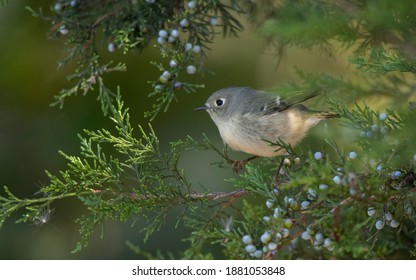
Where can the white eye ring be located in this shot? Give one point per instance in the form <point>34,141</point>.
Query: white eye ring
<point>220,102</point>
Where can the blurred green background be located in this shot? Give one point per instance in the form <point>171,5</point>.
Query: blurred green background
<point>32,132</point>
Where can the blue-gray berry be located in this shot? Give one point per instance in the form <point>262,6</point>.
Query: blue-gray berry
<point>379,224</point>
<point>213,21</point>
<point>111,47</point>
<point>57,7</point>
<point>305,235</point>
<point>173,63</point>
<point>285,232</point>
<point>352,155</point>
<point>191,69</point>
<point>171,39</point>
<point>174,33</point>
<point>258,254</point>
<point>388,216</point>
<point>188,46</point>
<point>272,246</point>
<point>163,33</point>
<point>323,187</point>
<point>371,211</point>
<point>247,239</point>
<point>265,237</point>
<point>394,223</point>
<point>191,4</point>
<point>184,22</point>
<point>250,248</point>
<point>63,30</point>
<point>318,155</point>
<point>196,49</point>
<point>161,40</point>
<point>304,205</point>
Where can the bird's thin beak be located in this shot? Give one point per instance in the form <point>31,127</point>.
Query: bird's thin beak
<point>205,107</point>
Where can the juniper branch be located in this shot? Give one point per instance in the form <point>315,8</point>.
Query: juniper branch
<point>185,197</point>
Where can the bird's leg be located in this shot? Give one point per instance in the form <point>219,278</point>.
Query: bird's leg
<point>276,176</point>
<point>238,165</point>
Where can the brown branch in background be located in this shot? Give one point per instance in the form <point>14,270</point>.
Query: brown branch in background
<point>218,195</point>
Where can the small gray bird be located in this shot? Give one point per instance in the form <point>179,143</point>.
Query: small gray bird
<point>248,120</point>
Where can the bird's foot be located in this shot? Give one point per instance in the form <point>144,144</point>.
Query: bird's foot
<point>238,165</point>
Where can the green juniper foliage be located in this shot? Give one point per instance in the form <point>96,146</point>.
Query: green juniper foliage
<point>345,200</point>
<point>182,30</point>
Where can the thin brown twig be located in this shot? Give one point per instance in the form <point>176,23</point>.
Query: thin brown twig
<point>196,196</point>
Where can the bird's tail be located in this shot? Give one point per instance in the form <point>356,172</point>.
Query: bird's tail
<point>318,114</point>
<point>326,115</point>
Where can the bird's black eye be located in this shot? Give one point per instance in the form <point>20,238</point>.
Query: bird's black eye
<point>220,102</point>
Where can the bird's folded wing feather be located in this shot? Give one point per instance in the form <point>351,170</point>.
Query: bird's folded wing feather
<point>280,105</point>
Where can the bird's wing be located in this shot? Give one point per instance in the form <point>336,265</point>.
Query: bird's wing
<point>265,103</point>
<point>280,105</point>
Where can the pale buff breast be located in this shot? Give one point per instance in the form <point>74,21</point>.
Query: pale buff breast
<point>250,139</point>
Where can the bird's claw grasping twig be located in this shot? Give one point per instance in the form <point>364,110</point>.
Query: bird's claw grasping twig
<point>238,165</point>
